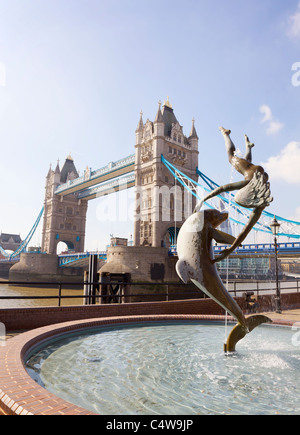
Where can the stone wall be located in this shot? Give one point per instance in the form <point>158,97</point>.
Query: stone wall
<point>35,267</point>
<point>16,319</point>
<point>143,263</point>
<point>4,269</point>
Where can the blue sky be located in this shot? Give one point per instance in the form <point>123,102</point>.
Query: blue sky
<point>75,74</point>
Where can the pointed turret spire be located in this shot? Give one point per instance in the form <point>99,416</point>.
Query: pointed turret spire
<point>141,123</point>
<point>68,169</point>
<point>50,171</point>
<point>57,169</point>
<point>193,133</point>
<point>167,103</point>
<point>159,117</point>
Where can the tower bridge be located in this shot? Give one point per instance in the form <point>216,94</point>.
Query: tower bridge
<point>67,194</point>
<point>112,171</point>
<point>10,242</point>
<point>165,162</point>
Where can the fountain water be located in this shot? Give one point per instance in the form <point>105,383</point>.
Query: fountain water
<point>172,368</point>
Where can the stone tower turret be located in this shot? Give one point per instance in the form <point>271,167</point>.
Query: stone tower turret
<point>64,217</point>
<point>160,203</point>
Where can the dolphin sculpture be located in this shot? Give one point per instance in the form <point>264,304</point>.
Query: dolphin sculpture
<point>196,263</point>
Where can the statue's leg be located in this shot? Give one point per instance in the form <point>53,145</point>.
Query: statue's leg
<point>241,165</point>
<point>226,188</point>
<point>249,146</point>
<point>230,147</point>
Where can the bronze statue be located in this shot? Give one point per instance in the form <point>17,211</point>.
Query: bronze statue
<point>196,263</point>
<point>253,191</point>
<point>194,243</point>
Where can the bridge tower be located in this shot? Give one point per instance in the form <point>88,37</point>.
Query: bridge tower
<point>64,217</point>
<point>10,242</point>
<point>161,202</point>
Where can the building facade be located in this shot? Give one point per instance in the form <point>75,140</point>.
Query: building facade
<point>64,217</point>
<point>161,203</point>
<point>10,242</point>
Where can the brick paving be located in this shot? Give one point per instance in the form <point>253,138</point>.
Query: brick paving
<point>286,318</point>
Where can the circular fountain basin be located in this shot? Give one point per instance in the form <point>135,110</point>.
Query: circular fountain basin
<point>171,367</point>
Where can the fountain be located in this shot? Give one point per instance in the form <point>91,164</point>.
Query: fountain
<point>175,366</point>
<point>194,243</point>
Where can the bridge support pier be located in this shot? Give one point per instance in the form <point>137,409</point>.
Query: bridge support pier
<point>35,267</point>
<point>91,279</point>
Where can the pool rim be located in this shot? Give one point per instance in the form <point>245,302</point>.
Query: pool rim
<point>21,395</point>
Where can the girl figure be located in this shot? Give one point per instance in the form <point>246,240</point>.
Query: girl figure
<point>253,191</point>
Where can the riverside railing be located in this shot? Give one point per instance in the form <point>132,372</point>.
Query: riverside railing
<point>96,295</point>
<point>237,288</point>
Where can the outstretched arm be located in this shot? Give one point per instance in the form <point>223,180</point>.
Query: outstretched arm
<point>221,237</point>
<point>226,188</point>
<point>254,217</point>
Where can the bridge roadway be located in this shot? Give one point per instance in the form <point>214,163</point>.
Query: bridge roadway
<point>258,250</point>
<point>251,250</point>
<point>79,259</point>
<point>288,249</point>
<point>115,185</point>
<point>92,178</point>
<point>292,250</point>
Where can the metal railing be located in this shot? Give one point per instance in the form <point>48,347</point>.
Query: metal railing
<point>237,288</point>
<point>260,288</point>
<point>96,296</point>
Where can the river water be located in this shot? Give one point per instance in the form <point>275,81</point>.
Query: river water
<point>13,291</point>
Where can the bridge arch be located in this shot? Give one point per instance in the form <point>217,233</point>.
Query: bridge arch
<point>173,235</point>
<point>170,235</point>
<point>63,246</point>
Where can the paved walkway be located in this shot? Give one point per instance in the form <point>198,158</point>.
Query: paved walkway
<point>290,315</point>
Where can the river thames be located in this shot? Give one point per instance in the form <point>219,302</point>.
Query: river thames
<point>7,290</point>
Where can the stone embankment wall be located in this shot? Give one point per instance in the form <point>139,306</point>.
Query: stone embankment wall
<point>16,319</point>
<point>42,268</point>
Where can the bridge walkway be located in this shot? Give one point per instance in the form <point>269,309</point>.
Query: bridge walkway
<point>92,178</point>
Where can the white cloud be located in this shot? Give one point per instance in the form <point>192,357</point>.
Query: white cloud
<point>273,126</point>
<point>266,111</point>
<point>285,166</point>
<point>294,24</point>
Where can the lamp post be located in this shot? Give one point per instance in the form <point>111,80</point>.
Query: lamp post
<point>275,229</point>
